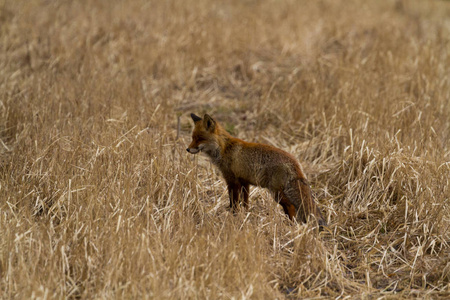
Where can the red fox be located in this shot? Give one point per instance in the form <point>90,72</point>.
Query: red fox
<point>243,164</point>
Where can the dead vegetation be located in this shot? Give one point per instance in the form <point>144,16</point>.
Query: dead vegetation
<point>99,199</point>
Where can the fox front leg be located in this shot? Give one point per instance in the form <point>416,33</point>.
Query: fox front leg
<point>233,192</point>
<point>245,189</point>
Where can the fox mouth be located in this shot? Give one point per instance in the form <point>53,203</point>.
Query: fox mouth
<point>193,150</point>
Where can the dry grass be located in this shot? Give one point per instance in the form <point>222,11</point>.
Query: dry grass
<point>99,199</point>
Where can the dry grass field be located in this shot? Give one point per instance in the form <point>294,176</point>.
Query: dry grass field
<point>100,200</point>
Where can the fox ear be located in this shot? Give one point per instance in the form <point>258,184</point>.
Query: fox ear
<point>195,118</point>
<point>209,123</point>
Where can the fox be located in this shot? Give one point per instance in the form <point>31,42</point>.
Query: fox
<point>243,164</point>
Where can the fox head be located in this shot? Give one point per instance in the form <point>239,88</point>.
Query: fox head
<point>204,136</point>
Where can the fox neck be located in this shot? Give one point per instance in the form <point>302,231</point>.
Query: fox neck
<point>215,153</point>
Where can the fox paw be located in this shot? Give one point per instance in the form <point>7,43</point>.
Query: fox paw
<point>232,209</point>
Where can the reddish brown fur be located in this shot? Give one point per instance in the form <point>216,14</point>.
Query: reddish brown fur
<point>243,164</point>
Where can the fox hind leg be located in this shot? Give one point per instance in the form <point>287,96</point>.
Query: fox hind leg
<point>298,194</point>
<point>288,207</point>
<point>308,204</point>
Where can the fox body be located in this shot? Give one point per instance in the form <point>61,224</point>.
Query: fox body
<point>243,164</point>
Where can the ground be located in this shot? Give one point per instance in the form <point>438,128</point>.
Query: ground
<point>99,198</point>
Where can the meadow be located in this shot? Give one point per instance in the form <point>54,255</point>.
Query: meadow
<point>100,200</point>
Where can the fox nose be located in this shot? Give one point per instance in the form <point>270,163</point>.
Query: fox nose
<point>187,149</point>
